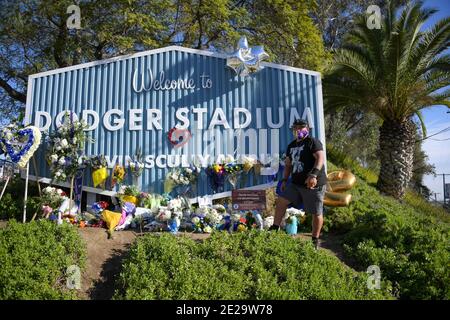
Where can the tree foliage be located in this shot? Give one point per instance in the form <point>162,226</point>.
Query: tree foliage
<point>34,36</point>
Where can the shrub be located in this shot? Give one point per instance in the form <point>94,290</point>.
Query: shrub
<point>11,205</point>
<point>34,258</point>
<point>408,240</point>
<point>251,265</point>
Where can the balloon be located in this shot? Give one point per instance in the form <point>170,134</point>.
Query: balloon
<point>339,181</point>
<point>246,60</point>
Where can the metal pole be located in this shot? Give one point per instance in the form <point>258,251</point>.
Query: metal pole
<point>36,173</point>
<point>26,194</point>
<point>443,180</point>
<point>4,188</point>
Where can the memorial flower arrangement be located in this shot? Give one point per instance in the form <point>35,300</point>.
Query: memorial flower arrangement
<point>65,153</point>
<point>129,193</point>
<point>51,199</point>
<point>99,167</point>
<point>177,177</point>
<point>151,201</point>
<point>118,175</point>
<point>181,177</point>
<point>217,176</point>
<point>233,171</point>
<point>247,163</point>
<point>136,165</point>
<point>212,217</point>
<point>20,144</point>
<point>293,212</point>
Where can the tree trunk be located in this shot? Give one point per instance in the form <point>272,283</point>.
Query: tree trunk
<point>396,157</point>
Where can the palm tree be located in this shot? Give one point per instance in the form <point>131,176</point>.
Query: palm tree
<point>394,72</point>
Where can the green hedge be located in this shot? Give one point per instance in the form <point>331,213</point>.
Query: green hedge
<point>408,240</point>
<point>253,265</point>
<point>11,205</point>
<point>34,258</point>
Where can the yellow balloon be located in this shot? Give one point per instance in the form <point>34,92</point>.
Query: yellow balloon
<point>338,182</point>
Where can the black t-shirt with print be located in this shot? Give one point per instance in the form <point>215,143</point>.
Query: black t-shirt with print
<point>302,160</point>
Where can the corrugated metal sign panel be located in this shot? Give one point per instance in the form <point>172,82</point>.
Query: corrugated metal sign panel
<point>272,96</point>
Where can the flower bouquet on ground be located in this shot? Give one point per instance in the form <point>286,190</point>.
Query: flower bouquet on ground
<point>292,218</point>
<point>206,219</point>
<point>50,200</point>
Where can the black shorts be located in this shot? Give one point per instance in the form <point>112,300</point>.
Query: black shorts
<point>312,199</point>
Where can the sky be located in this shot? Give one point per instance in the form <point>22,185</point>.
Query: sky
<point>436,119</point>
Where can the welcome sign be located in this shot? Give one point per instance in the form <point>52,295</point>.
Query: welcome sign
<point>132,102</point>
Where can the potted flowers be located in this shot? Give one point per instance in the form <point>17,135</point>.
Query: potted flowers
<point>129,194</point>
<point>292,219</point>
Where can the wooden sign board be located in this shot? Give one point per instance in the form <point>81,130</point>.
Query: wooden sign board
<point>248,199</point>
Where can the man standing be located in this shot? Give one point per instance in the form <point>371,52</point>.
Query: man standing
<point>305,163</point>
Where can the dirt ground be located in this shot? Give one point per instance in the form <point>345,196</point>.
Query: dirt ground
<point>104,257</point>
<point>104,260</point>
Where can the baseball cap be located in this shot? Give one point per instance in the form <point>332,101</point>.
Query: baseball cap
<point>300,123</point>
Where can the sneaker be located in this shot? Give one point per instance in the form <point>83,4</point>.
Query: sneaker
<point>316,243</point>
<point>274,228</point>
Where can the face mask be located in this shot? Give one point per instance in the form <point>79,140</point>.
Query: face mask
<point>301,133</point>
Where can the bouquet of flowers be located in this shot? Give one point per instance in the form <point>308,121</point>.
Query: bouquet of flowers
<point>181,177</point>
<point>292,212</point>
<point>51,199</point>
<point>151,201</point>
<point>199,224</point>
<point>136,167</point>
<point>118,175</point>
<point>65,148</point>
<point>213,217</point>
<point>99,169</point>
<point>292,218</point>
<point>247,163</point>
<point>233,171</point>
<point>216,175</point>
